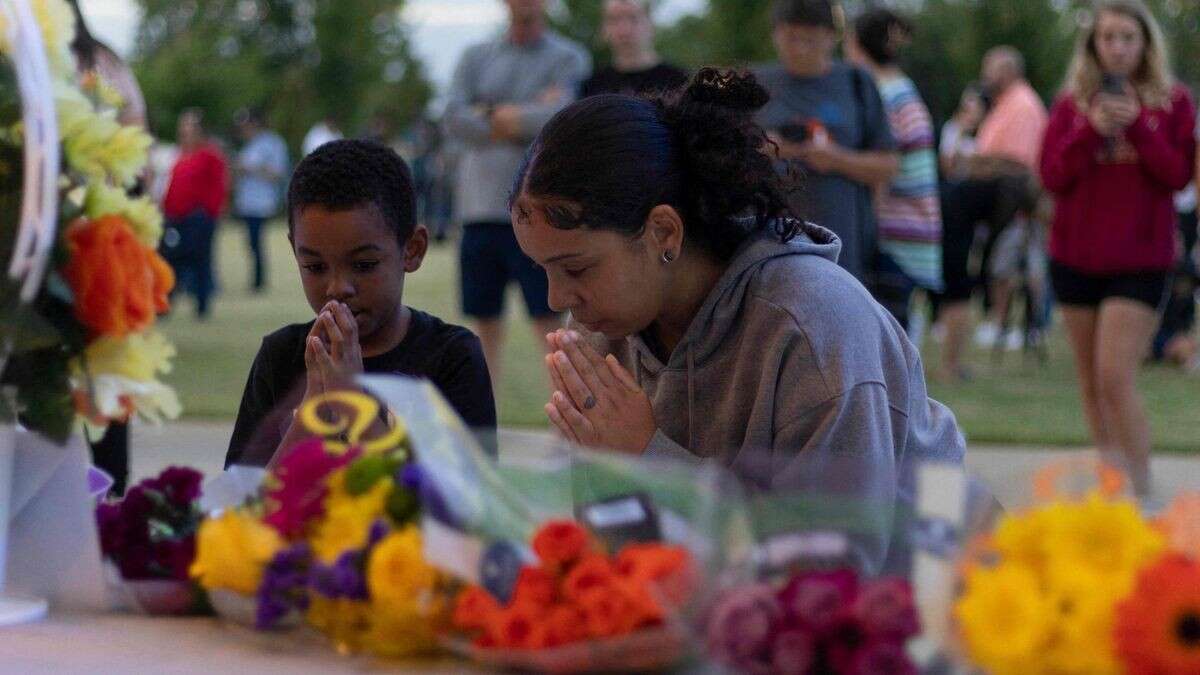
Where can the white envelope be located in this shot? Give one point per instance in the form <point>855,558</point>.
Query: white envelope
<point>53,546</point>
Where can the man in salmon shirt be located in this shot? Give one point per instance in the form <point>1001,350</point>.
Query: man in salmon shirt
<point>996,189</point>
<point>193,203</point>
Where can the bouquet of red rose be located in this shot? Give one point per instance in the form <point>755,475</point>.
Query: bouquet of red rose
<point>818,622</point>
<point>150,536</point>
<point>579,608</point>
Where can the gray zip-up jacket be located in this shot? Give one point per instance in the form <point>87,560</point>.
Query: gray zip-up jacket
<point>796,379</point>
<point>542,78</point>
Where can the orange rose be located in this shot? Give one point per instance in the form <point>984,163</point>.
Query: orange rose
<point>535,586</point>
<point>119,283</point>
<point>560,542</point>
<point>668,567</point>
<point>592,572</point>
<point>474,609</point>
<point>607,613</point>
<point>518,627</point>
<point>565,624</point>
<point>645,610</point>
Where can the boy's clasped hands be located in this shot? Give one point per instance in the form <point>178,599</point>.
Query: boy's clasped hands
<point>332,354</point>
<point>596,401</point>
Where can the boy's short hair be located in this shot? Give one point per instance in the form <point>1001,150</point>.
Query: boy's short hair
<point>804,13</point>
<point>346,174</point>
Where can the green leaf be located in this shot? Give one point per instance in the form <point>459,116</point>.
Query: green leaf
<point>43,386</point>
<point>402,505</point>
<point>362,475</point>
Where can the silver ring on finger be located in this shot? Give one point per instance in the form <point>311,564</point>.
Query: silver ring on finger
<point>589,403</point>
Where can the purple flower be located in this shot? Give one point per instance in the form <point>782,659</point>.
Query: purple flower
<point>112,528</point>
<point>817,600</point>
<point>343,579</point>
<point>741,626</point>
<point>284,586</point>
<point>417,481</point>
<point>885,610</point>
<point>173,557</point>
<point>179,485</point>
<point>881,657</point>
<point>793,653</point>
<point>379,530</point>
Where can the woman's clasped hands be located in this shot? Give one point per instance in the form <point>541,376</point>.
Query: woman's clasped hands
<point>596,401</point>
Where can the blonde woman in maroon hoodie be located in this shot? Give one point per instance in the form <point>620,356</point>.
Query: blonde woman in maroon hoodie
<point>1120,143</point>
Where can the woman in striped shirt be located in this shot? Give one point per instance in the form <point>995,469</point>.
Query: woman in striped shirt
<point>909,214</point>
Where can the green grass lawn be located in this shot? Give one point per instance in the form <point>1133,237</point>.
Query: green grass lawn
<point>1012,402</point>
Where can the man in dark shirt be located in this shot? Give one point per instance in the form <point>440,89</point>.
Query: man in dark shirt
<point>636,69</point>
<point>352,225</point>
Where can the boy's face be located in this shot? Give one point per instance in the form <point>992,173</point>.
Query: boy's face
<point>353,257</point>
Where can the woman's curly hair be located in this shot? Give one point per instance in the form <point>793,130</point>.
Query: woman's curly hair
<point>604,162</point>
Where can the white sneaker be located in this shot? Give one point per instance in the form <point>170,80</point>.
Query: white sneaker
<point>986,334</point>
<point>1014,340</point>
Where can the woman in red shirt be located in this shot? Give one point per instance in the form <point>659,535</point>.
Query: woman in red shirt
<point>1120,143</point>
<point>193,203</point>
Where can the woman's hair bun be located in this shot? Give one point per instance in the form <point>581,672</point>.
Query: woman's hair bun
<point>727,89</point>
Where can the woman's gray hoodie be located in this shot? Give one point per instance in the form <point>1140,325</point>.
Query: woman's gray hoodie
<point>796,379</point>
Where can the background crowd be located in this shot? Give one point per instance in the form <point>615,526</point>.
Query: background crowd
<point>1059,185</point>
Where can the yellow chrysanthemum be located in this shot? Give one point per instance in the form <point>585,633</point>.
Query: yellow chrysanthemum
<point>143,215</point>
<point>346,524</point>
<point>397,574</point>
<point>1004,617</point>
<point>124,154</point>
<point>408,611</point>
<point>1018,537</point>
<point>1106,537</point>
<point>1083,606</point>
<point>137,356</point>
<point>233,550</point>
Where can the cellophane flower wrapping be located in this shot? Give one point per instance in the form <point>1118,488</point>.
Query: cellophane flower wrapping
<point>568,559</point>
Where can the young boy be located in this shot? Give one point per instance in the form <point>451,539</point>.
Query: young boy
<point>352,225</point>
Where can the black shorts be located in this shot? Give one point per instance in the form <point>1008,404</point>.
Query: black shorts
<point>490,258</point>
<point>1072,287</point>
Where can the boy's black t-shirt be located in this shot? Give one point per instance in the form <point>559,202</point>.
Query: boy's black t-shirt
<point>449,356</point>
<point>656,79</point>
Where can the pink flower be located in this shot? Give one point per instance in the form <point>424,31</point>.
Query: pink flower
<point>793,653</point>
<point>818,600</point>
<point>741,626</point>
<point>885,610</point>
<point>299,493</point>
<point>882,657</point>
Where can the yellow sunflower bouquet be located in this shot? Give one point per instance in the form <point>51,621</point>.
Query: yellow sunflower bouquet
<point>1084,585</point>
<point>84,281</point>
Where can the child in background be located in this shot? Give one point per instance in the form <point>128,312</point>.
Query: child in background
<point>352,224</point>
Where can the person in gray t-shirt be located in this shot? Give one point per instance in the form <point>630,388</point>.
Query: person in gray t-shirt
<point>828,116</point>
<point>260,171</point>
<point>503,92</point>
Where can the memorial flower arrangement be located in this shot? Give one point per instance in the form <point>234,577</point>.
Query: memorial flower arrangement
<point>580,608</point>
<point>334,537</point>
<point>1085,584</point>
<point>79,346</point>
<point>815,622</point>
